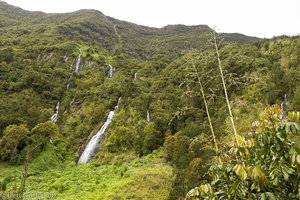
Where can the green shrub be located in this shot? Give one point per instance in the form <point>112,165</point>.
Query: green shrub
<point>15,139</point>
<point>177,149</point>
<point>264,167</point>
<point>122,138</point>
<point>153,138</point>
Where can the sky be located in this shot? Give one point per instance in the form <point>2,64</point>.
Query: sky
<point>261,18</point>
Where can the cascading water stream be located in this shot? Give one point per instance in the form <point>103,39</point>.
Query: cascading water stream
<point>148,116</point>
<point>135,75</point>
<point>110,71</point>
<point>55,115</point>
<point>77,65</point>
<point>93,144</point>
<point>285,100</point>
<point>284,106</point>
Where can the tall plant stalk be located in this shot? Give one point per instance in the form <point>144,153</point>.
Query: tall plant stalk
<point>224,87</point>
<point>22,188</point>
<point>206,109</point>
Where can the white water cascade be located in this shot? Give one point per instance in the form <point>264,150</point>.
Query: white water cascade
<point>283,104</point>
<point>77,65</point>
<point>55,115</point>
<point>148,116</point>
<point>93,144</point>
<point>110,71</point>
<point>135,75</point>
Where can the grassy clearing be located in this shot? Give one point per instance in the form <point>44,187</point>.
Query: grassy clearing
<point>130,178</point>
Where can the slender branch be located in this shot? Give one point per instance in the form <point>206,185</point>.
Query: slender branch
<point>206,108</point>
<point>224,86</point>
<point>25,171</point>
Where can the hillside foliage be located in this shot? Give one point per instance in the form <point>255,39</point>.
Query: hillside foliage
<point>155,71</point>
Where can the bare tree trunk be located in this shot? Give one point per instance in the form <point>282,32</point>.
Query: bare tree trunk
<point>224,87</point>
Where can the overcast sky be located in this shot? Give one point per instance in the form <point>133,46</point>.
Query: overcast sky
<point>262,18</point>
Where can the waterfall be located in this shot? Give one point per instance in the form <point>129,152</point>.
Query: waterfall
<point>55,115</point>
<point>68,84</point>
<point>93,144</point>
<point>285,97</point>
<point>283,103</point>
<point>110,71</point>
<point>77,65</point>
<point>148,116</point>
<point>135,75</point>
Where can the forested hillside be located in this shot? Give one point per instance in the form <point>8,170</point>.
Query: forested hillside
<point>62,75</point>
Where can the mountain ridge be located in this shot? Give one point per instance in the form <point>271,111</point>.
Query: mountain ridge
<point>94,27</point>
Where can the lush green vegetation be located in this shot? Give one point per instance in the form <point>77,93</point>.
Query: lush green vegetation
<point>161,159</point>
<point>265,165</point>
<point>125,177</point>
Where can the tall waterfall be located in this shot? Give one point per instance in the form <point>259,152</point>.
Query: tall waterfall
<point>135,75</point>
<point>283,103</point>
<point>93,144</point>
<point>148,116</point>
<point>110,71</point>
<point>55,115</point>
<point>77,65</point>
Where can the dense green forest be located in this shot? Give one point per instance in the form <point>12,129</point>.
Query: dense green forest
<point>159,144</point>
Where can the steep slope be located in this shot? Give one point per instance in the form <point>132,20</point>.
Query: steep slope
<point>94,28</point>
<point>160,157</point>
<point>13,16</point>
